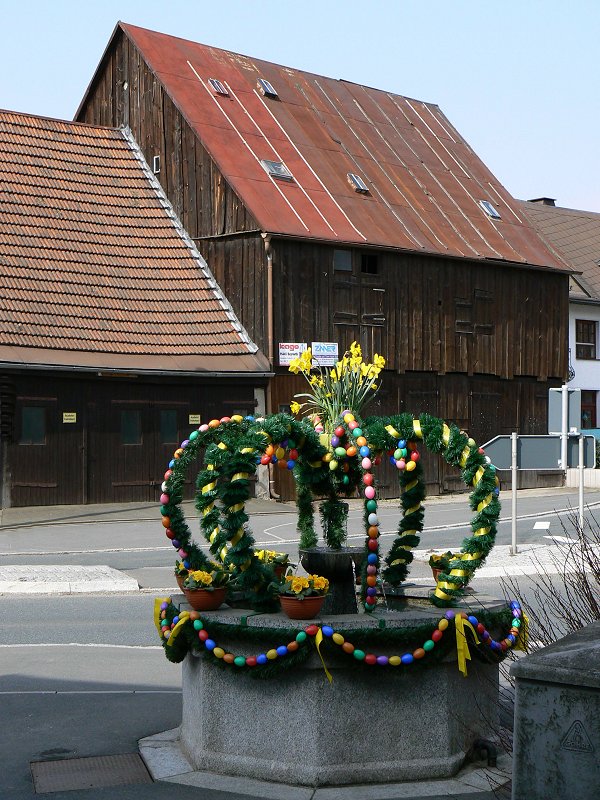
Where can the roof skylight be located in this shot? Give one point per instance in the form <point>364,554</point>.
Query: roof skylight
<point>489,209</point>
<point>218,87</point>
<point>357,183</point>
<point>266,88</point>
<point>276,169</point>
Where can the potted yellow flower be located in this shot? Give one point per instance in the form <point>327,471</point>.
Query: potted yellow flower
<point>181,573</point>
<point>302,597</point>
<point>440,562</point>
<point>279,561</point>
<point>205,591</point>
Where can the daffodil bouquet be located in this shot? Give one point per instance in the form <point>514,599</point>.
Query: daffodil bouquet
<point>348,386</point>
<point>201,579</point>
<point>300,586</point>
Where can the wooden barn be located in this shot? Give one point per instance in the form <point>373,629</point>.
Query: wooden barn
<point>330,211</point>
<point>115,340</point>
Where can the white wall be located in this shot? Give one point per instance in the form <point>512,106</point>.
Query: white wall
<point>587,373</point>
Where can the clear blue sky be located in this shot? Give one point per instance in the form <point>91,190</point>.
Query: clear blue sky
<point>518,78</point>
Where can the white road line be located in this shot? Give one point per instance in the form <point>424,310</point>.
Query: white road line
<point>541,526</point>
<point>563,539</point>
<point>92,691</point>
<point>86,644</point>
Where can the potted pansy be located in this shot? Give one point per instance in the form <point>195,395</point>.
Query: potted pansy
<point>440,562</point>
<point>181,573</point>
<point>205,590</point>
<point>279,561</point>
<point>302,597</point>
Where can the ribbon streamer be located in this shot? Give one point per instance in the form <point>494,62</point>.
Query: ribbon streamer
<point>318,640</point>
<point>462,646</point>
<point>183,618</point>
<point>523,637</point>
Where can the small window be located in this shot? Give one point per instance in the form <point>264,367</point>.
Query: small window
<point>277,170</point>
<point>156,164</point>
<point>342,260</point>
<point>588,409</point>
<point>266,88</point>
<point>33,425</point>
<point>585,338</point>
<point>218,87</point>
<point>168,426</point>
<point>489,209</point>
<point>368,263</point>
<point>131,426</point>
<point>357,183</point>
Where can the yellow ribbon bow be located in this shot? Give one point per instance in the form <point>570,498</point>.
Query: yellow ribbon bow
<point>462,646</point>
<point>318,640</point>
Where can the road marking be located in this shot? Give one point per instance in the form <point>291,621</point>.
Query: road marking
<point>563,539</point>
<point>87,644</point>
<point>93,691</point>
<point>539,526</point>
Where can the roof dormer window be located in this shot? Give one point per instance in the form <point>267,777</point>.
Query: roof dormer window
<point>489,209</point>
<point>276,169</point>
<point>266,88</point>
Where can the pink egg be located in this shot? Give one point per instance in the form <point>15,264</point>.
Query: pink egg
<point>369,492</point>
<point>401,464</point>
<point>371,569</point>
<point>182,553</point>
<point>366,463</point>
<point>164,499</point>
<point>203,428</point>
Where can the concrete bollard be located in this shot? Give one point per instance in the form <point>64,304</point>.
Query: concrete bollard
<point>557,720</point>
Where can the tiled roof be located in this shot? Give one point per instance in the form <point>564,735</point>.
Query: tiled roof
<point>575,234</point>
<point>93,260</point>
<point>425,183</point>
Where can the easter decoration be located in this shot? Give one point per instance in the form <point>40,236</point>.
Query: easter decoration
<point>333,452</point>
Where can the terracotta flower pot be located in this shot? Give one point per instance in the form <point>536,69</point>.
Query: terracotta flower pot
<point>436,573</point>
<point>301,607</point>
<point>203,600</point>
<point>180,579</point>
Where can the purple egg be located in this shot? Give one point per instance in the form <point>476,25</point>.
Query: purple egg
<point>335,441</point>
<point>185,443</point>
<point>382,661</point>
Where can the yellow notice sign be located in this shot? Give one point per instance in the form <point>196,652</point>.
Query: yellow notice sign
<point>69,416</point>
<point>194,419</point>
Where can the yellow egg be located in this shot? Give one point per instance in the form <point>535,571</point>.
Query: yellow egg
<point>219,652</point>
<point>348,417</point>
<point>338,638</point>
<point>271,654</point>
<point>333,464</point>
<point>410,465</point>
<point>394,661</point>
<point>236,418</point>
<point>443,624</point>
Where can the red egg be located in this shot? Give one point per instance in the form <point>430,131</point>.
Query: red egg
<point>372,544</point>
<point>203,635</point>
<point>251,661</point>
<point>264,460</point>
<point>370,659</point>
<point>312,630</point>
<point>414,456</point>
<point>437,635</point>
<point>340,431</point>
<point>168,474</point>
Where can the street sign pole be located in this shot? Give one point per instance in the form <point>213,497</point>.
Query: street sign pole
<point>514,475</point>
<point>581,484</point>
<point>564,427</point>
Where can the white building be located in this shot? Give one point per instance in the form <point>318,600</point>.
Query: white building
<point>575,235</point>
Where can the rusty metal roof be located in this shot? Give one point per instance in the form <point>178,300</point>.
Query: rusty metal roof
<point>424,182</point>
<point>94,268</point>
<point>576,235</point>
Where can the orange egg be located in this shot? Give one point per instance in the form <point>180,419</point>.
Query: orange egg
<point>166,521</point>
<point>347,647</point>
<point>351,451</point>
<point>371,580</point>
<point>214,423</point>
<point>419,653</point>
<point>229,658</point>
<point>361,441</point>
<point>292,646</point>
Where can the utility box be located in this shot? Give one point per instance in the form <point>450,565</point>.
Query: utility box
<point>557,720</point>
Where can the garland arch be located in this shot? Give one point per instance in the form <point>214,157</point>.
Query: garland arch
<point>234,446</point>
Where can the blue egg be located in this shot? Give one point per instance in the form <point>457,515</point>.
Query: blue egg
<point>249,417</point>
<point>474,621</point>
<point>175,620</point>
<point>209,644</point>
<point>172,463</point>
<point>392,461</point>
<point>186,564</point>
<point>402,443</point>
<point>282,650</point>
<point>327,630</point>
<point>364,451</point>
<point>274,459</point>
<point>261,659</point>
<point>407,658</point>
<point>371,558</point>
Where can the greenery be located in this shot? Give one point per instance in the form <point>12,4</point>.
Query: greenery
<point>441,560</point>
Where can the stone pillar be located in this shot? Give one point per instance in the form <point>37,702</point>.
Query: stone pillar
<point>557,720</point>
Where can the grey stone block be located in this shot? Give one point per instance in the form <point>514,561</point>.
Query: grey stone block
<point>372,724</point>
<point>557,720</point>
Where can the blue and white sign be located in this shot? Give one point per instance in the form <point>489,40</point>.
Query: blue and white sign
<point>325,354</point>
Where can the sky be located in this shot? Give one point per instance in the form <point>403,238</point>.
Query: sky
<point>519,79</point>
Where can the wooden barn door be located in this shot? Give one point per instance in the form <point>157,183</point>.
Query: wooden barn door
<point>46,455</point>
<point>131,444</point>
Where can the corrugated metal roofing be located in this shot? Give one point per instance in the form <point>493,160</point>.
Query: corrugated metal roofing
<point>425,182</point>
<point>92,258</point>
<point>575,234</point>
